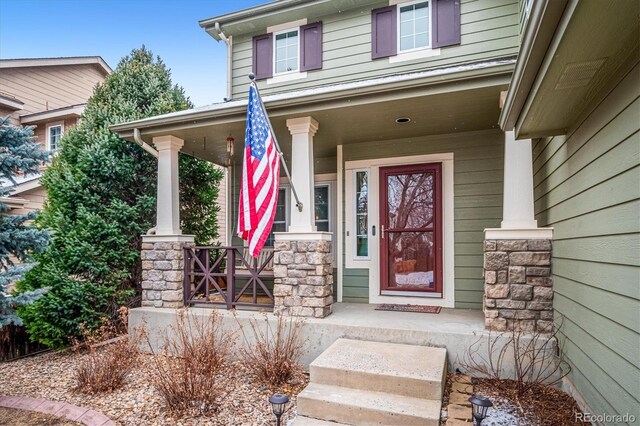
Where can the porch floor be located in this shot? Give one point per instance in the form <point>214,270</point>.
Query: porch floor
<point>453,329</point>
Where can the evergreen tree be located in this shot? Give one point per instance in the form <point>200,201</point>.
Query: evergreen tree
<point>102,198</point>
<point>19,154</point>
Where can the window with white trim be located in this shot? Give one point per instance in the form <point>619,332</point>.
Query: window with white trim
<point>286,57</point>
<point>413,26</point>
<point>54,134</point>
<point>361,214</point>
<point>323,206</point>
<point>280,221</point>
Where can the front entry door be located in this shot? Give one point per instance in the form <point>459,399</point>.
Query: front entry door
<point>411,229</point>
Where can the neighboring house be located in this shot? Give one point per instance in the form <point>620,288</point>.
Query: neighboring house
<point>49,94</point>
<point>444,146</point>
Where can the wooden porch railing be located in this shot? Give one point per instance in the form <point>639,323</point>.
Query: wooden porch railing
<point>211,275</point>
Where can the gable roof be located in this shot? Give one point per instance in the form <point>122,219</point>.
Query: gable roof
<point>52,62</point>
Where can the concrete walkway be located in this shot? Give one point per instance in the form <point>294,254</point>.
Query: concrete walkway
<point>60,409</point>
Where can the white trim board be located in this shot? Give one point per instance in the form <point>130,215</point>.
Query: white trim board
<point>373,264</point>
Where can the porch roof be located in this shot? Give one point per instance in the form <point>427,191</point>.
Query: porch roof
<point>570,52</point>
<point>445,100</point>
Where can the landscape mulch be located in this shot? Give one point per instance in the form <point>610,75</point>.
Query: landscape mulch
<point>243,400</point>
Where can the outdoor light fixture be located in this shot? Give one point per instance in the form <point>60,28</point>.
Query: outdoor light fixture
<point>230,142</point>
<point>480,405</point>
<point>278,403</point>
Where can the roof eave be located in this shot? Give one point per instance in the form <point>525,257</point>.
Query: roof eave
<point>237,109</point>
<point>251,12</point>
<point>71,111</point>
<point>43,62</point>
<point>539,31</point>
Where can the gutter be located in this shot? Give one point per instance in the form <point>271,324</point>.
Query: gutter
<point>229,42</point>
<point>274,6</point>
<point>539,31</point>
<point>138,139</point>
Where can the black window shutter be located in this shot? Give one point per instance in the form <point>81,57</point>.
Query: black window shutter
<point>311,47</point>
<point>445,20</point>
<point>263,56</point>
<point>383,32</point>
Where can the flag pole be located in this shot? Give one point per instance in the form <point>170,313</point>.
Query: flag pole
<point>252,77</point>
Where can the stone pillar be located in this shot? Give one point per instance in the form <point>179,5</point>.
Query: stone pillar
<point>303,274</point>
<point>168,201</point>
<point>518,288</point>
<point>163,270</point>
<point>302,131</point>
<point>518,285</point>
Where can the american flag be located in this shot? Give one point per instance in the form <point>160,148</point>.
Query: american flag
<point>260,178</point>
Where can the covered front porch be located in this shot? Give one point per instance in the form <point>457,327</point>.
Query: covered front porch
<point>339,143</point>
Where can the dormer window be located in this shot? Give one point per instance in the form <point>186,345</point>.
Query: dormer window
<point>412,26</point>
<point>286,51</point>
<point>291,50</point>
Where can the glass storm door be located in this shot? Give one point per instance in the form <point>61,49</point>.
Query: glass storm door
<point>411,225</point>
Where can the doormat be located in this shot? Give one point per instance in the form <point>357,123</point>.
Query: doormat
<point>410,308</point>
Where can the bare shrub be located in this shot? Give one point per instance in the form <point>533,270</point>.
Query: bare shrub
<point>537,358</point>
<point>185,372</point>
<point>105,357</point>
<point>274,354</point>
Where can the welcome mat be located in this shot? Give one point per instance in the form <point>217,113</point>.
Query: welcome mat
<point>410,308</point>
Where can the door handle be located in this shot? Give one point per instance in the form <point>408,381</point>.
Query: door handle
<point>382,231</point>
<point>373,230</point>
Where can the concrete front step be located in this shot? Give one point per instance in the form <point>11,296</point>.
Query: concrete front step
<point>309,421</point>
<point>360,407</point>
<point>408,370</point>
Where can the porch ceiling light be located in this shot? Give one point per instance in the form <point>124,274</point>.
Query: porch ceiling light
<point>402,120</point>
<point>278,404</point>
<point>480,405</point>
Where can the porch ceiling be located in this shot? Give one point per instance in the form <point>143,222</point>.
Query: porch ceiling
<point>596,42</point>
<point>455,106</point>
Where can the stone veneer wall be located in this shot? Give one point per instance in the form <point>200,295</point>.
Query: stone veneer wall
<point>162,274</point>
<point>518,286</point>
<point>303,278</point>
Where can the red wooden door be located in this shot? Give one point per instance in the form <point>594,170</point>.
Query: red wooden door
<point>411,225</point>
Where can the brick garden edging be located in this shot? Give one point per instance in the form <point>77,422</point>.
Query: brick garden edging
<point>518,286</point>
<point>60,409</point>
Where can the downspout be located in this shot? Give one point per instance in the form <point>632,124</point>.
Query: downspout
<point>138,139</point>
<point>229,42</point>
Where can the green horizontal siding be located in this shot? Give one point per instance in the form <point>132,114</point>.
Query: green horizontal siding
<point>478,171</point>
<point>587,187</point>
<point>355,286</point>
<point>489,30</point>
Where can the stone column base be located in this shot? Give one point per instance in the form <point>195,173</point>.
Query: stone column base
<point>303,275</point>
<point>518,289</point>
<point>163,270</point>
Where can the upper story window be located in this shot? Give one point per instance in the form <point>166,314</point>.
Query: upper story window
<point>286,52</point>
<point>412,25</point>
<point>292,50</point>
<point>54,134</point>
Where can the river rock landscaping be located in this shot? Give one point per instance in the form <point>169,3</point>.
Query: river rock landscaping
<point>242,401</point>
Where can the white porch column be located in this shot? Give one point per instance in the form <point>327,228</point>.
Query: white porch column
<point>302,131</point>
<point>168,214</point>
<point>517,208</point>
